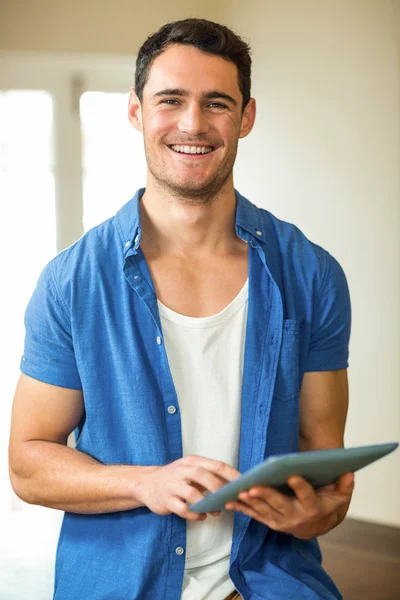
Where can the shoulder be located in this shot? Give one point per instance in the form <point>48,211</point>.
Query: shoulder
<point>92,245</point>
<point>281,241</point>
<point>81,265</point>
<point>290,238</point>
<point>312,283</point>
<point>296,256</point>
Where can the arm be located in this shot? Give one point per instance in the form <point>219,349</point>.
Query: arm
<point>324,399</point>
<point>45,471</point>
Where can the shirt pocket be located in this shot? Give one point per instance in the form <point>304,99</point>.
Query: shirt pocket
<point>287,375</point>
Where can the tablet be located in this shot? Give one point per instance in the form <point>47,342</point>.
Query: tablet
<point>319,467</point>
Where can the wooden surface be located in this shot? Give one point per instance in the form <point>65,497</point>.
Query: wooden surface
<point>364,560</point>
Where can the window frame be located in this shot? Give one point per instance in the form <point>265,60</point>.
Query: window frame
<point>66,77</point>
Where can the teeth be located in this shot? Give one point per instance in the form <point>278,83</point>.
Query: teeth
<point>192,149</point>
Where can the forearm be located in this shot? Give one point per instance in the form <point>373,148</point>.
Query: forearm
<point>56,476</point>
<point>323,441</point>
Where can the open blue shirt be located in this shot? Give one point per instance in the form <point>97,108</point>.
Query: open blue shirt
<point>93,324</point>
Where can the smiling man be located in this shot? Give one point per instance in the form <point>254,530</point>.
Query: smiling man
<point>185,340</point>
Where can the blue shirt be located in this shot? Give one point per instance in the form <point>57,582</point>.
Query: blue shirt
<point>93,324</point>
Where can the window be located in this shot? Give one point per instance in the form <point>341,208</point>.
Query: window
<point>28,241</point>
<point>112,154</point>
<point>27,225</point>
<point>68,159</point>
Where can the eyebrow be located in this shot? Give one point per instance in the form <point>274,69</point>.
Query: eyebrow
<point>211,95</point>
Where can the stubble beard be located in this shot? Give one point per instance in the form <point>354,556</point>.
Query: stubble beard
<point>193,192</point>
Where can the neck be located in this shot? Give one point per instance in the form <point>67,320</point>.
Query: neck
<point>185,226</point>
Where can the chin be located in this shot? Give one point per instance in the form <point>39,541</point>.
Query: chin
<point>199,197</point>
<point>201,189</point>
<point>195,189</point>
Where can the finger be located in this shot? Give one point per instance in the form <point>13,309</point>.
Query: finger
<point>217,467</point>
<point>277,501</point>
<point>257,504</point>
<point>345,485</point>
<point>180,508</point>
<point>188,492</point>
<point>305,493</point>
<point>264,517</point>
<point>191,494</point>
<point>199,477</point>
<point>240,507</point>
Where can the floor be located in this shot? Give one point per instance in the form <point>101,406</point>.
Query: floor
<point>362,558</point>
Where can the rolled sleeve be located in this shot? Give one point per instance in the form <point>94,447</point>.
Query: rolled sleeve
<point>48,351</point>
<point>331,323</point>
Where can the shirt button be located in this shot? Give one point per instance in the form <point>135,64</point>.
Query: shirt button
<point>179,551</point>
<point>127,244</point>
<point>258,232</point>
<point>159,340</point>
<point>171,410</point>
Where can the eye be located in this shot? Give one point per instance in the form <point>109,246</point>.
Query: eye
<point>217,105</point>
<point>170,101</point>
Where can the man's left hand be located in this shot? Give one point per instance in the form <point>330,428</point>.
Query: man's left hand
<point>308,514</point>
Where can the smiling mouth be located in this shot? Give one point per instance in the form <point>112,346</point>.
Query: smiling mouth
<point>191,150</point>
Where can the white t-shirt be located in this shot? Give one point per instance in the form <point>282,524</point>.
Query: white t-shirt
<point>206,358</point>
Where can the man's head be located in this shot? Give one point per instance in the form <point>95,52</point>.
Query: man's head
<point>206,36</point>
<point>192,103</point>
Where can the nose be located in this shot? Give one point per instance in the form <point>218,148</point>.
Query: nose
<point>192,120</point>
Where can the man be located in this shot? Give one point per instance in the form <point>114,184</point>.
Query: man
<point>191,335</point>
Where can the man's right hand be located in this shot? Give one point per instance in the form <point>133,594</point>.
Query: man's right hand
<point>169,488</point>
<point>45,471</point>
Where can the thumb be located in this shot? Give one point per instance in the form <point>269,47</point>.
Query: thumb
<point>346,483</point>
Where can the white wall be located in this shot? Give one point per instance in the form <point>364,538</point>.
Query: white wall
<point>325,154</point>
<point>117,27</point>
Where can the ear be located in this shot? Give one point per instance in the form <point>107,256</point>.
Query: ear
<point>248,118</point>
<point>135,110</point>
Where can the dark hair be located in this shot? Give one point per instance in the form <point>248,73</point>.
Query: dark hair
<point>204,35</point>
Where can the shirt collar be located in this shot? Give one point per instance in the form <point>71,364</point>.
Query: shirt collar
<point>249,224</point>
<point>127,222</point>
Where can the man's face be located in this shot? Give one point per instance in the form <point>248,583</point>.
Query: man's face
<point>191,118</point>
